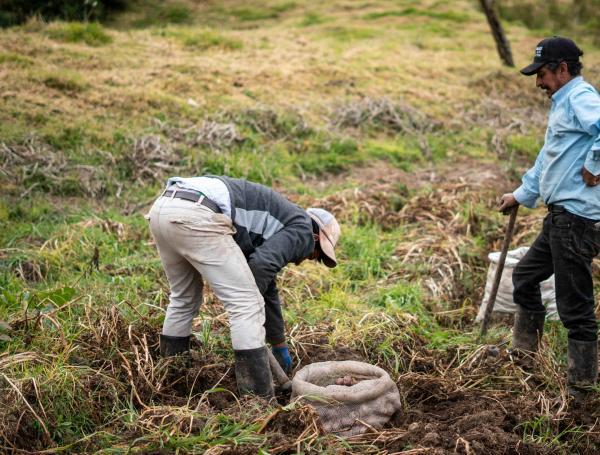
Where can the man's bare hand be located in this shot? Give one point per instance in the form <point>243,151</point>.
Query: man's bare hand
<point>589,178</point>
<point>506,202</point>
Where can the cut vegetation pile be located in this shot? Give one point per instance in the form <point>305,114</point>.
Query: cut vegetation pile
<point>392,115</point>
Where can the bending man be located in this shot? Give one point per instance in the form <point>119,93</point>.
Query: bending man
<point>237,236</point>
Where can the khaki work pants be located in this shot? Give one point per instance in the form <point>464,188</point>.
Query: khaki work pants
<point>195,243</point>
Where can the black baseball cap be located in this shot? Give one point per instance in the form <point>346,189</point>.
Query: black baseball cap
<point>555,49</point>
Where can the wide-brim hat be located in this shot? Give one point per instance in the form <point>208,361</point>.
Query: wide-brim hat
<point>329,234</point>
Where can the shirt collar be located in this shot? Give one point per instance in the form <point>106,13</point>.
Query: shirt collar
<point>565,89</point>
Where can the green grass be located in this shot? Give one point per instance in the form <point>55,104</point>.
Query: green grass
<point>10,58</point>
<point>159,14</point>
<point>451,16</point>
<point>344,34</point>
<point>92,34</point>
<point>252,13</point>
<point>79,273</point>
<point>311,19</point>
<point>202,40</point>
<point>67,82</point>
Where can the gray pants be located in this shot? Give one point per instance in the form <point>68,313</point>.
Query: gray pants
<point>195,243</point>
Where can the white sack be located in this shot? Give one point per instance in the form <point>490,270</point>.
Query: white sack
<point>504,299</point>
<point>342,409</point>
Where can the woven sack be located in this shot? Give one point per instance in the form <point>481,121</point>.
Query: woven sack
<point>504,299</point>
<point>348,410</point>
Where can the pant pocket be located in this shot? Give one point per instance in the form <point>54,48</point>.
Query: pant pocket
<point>590,242</point>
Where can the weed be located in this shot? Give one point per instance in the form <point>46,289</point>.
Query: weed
<point>327,157</point>
<point>66,81</point>
<point>400,153</point>
<point>345,34</point>
<point>92,34</point>
<point>524,147</point>
<point>250,13</point>
<point>542,430</point>
<point>272,124</point>
<point>202,40</point>
<point>210,39</point>
<point>381,114</point>
<point>15,59</point>
<point>452,16</point>
<point>311,19</point>
<point>571,15</point>
<point>365,254</point>
<point>161,14</point>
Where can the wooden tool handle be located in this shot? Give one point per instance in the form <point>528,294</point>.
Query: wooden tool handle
<point>278,372</point>
<point>505,244</point>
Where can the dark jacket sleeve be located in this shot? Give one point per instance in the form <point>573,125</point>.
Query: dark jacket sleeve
<point>274,326</point>
<point>292,243</point>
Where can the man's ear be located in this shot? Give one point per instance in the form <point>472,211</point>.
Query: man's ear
<point>315,237</point>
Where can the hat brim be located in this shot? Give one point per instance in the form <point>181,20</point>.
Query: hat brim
<point>533,68</point>
<point>328,257</point>
<point>326,245</point>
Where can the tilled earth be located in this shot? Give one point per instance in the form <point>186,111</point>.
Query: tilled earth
<point>440,415</point>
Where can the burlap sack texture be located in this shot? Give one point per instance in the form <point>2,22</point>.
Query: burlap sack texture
<point>348,410</point>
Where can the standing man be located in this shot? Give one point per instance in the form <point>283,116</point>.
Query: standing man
<point>237,236</point>
<point>566,176</point>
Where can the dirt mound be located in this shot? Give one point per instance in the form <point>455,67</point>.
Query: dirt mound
<point>464,422</point>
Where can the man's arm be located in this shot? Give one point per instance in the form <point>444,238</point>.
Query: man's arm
<point>290,244</point>
<point>274,327</point>
<point>529,191</point>
<point>586,106</point>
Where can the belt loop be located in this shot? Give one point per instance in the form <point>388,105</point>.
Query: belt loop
<point>174,193</point>
<point>200,199</point>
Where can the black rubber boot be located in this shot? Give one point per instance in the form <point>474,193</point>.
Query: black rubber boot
<point>527,330</point>
<point>253,373</point>
<point>170,346</point>
<point>582,369</point>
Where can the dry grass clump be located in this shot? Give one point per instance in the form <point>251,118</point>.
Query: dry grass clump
<point>214,135</point>
<point>34,164</point>
<point>442,227</point>
<point>151,158</point>
<point>273,124</point>
<point>230,128</point>
<point>379,203</point>
<point>382,114</point>
<point>509,105</point>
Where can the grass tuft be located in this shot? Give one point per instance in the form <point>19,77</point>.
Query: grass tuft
<point>251,13</point>
<point>92,34</point>
<point>65,81</point>
<point>203,40</point>
<point>15,59</point>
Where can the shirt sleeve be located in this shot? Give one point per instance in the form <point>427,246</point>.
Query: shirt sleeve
<point>529,191</point>
<point>290,244</point>
<point>274,326</point>
<point>586,106</point>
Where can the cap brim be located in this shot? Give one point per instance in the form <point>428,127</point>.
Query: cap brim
<point>533,68</point>
<point>328,254</point>
<point>326,246</point>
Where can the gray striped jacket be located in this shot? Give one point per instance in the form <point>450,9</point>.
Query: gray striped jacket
<point>271,232</point>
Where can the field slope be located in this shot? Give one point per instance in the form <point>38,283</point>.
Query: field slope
<point>395,115</point>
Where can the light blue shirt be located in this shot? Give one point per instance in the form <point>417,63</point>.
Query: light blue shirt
<point>572,141</point>
<point>211,187</point>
